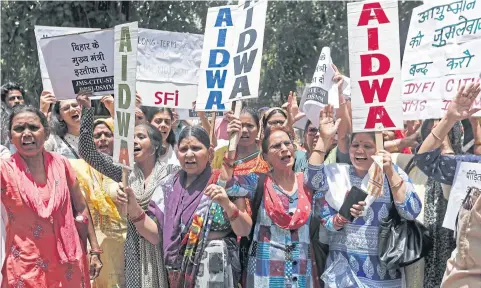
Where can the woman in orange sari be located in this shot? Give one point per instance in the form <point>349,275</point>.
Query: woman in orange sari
<point>248,159</point>
<point>43,202</point>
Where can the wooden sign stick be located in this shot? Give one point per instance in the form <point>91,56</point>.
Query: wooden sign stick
<point>379,141</point>
<point>212,129</point>
<point>125,174</point>
<point>234,138</point>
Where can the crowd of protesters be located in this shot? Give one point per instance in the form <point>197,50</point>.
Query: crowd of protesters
<point>193,214</point>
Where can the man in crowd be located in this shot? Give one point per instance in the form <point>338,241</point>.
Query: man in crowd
<point>12,95</point>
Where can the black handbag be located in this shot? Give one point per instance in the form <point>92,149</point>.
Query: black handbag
<point>402,242</point>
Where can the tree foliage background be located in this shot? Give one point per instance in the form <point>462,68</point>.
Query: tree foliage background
<point>295,33</point>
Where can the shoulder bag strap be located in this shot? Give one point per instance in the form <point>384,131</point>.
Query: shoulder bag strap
<point>70,147</point>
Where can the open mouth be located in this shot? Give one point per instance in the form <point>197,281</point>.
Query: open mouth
<point>360,158</point>
<point>76,117</point>
<point>190,164</point>
<point>28,143</point>
<point>286,158</point>
<point>137,149</point>
<point>244,137</point>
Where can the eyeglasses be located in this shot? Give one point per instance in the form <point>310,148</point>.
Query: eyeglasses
<point>276,122</point>
<point>68,106</point>
<point>278,146</point>
<point>313,131</point>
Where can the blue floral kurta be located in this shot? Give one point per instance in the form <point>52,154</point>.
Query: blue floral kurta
<point>278,257</point>
<point>442,167</point>
<point>357,242</point>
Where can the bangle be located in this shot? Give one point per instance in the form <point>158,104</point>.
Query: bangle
<point>477,143</point>
<point>221,183</point>
<point>138,218</point>
<point>319,151</point>
<point>234,215</point>
<point>398,184</point>
<point>434,135</point>
<point>96,252</point>
<point>82,218</point>
<point>226,162</point>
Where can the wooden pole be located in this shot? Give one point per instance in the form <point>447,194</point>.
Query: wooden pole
<point>123,208</point>
<point>379,141</point>
<point>212,129</point>
<point>234,138</point>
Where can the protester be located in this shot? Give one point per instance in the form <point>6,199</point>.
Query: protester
<point>42,197</point>
<point>162,119</point>
<point>100,193</point>
<point>285,118</point>
<point>281,236</point>
<point>195,209</point>
<point>143,262</point>
<point>463,268</point>
<point>65,122</point>
<point>12,95</point>
<point>356,243</point>
<point>341,138</point>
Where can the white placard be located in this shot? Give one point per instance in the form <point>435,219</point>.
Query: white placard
<point>125,52</point>
<point>217,54</point>
<point>80,62</point>
<point>49,31</point>
<point>374,62</point>
<point>443,52</point>
<point>247,57</point>
<point>467,175</point>
<point>168,68</point>
<point>317,96</point>
<point>333,97</point>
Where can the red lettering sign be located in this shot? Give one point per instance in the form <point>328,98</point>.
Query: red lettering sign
<point>166,97</point>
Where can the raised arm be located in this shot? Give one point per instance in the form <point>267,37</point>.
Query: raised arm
<point>327,130</point>
<point>87,150</point>
<point>345,127</point>
<point>459,109</point>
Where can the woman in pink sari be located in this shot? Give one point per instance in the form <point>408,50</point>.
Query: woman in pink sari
<point>41,195</point>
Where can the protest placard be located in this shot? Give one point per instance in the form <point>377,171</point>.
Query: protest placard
<point>49,31</point>
<point>125,65</point>
<point>333,97</point>
<point>374,64</point>
<point>467,175</point>
<point>317,96</point>
<point>216,58</point>
<point>247,56</point>
<point>80,62</point>
<point>441,54</point>
<point>168,68</point>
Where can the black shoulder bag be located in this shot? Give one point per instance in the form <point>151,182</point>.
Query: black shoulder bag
<point>402,242</point>
<point>245,242</point>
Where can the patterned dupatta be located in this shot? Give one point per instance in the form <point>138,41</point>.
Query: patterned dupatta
<point>196,238</point>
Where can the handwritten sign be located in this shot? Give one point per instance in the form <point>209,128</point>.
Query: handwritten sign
<point>318,96</point>
<point>467,175</point>
<point>168,68</point>
<point>442,53</point>
<point>333,97</point>
<point>247,57</point>
<point>80,62</point>
<point>216,56</point>
<point>48,31</point>
<point>374,62</point>
<point>126,36</point>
